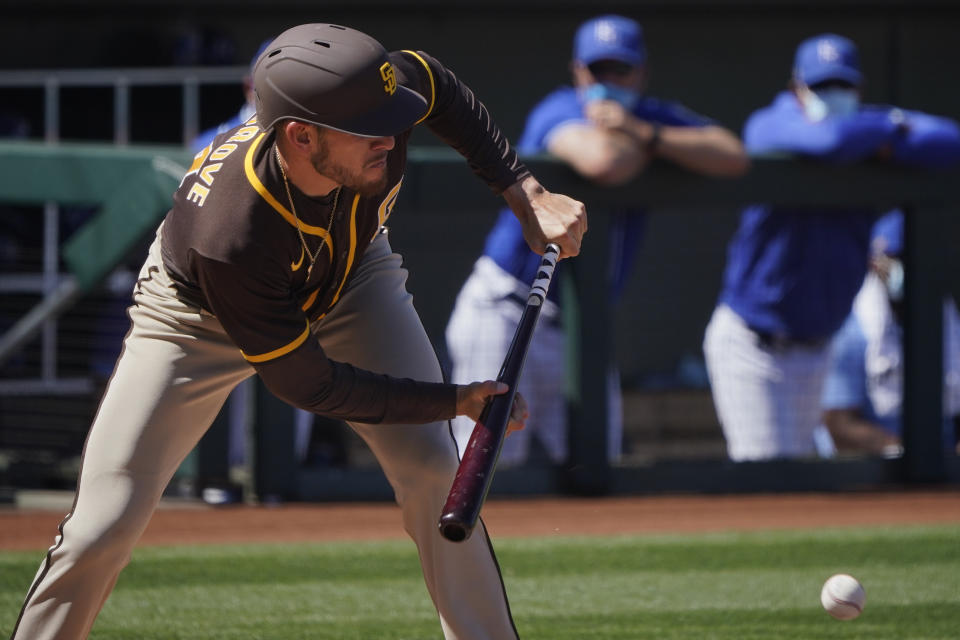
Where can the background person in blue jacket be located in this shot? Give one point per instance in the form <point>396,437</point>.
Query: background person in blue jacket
<point>863,392</point>
<point>792,272</point>
<point>607,130</point>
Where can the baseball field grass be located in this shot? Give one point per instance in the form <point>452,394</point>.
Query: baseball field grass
<point>736,586</point>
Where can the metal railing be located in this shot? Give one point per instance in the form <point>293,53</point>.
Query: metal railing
<point>55,287</point>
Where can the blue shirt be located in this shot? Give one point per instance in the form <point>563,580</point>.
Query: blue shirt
<point>206,137</point>
<point>794,271</point>
<point>505,243</point>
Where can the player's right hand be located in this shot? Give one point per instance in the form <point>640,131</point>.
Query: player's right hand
<point>472,397</point>
<point>547,217</point>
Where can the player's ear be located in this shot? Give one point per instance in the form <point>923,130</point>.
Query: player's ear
<point>302,135</point>
<point>297,134</point>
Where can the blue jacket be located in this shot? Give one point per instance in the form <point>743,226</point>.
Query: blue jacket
<point>794,271</point>
<point>505,243</point>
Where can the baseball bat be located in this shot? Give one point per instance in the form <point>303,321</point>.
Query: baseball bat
<point>475,473</point>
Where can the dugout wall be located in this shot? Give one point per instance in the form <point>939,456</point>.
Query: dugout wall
<point>723,58</point>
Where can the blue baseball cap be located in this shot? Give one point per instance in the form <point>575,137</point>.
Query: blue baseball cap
<point>827,57</point>
<point>609,38</point>
<point>887,234</point>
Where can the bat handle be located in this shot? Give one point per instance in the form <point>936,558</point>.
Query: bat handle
<point>538,292</point>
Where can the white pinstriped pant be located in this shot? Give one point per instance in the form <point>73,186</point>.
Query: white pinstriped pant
<point>767,398</point>
<point>479,334</point>
<point>177,368</point>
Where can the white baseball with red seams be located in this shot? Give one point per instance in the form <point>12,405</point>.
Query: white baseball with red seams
<point>843,596</point>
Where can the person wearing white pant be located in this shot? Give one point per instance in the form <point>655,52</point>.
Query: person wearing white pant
<point>767,395</point>
<point>793,271</point>
<point>607,130</point>
<point>232,287</point>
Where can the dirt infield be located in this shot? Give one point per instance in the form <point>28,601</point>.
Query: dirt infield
<point>190,524</point>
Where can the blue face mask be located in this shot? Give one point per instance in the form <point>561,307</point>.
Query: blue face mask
<point>628,98</point>
<point>834,101</point>
<point>840,102</point>
<point>894,280</point>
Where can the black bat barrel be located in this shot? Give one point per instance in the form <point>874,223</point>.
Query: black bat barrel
<point>478,462</point>
<point>475,473</point>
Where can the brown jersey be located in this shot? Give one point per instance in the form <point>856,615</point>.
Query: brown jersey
<point>231,244</point>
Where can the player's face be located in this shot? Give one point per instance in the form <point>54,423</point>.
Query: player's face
<point>612,72</point>
<point>356,162</point>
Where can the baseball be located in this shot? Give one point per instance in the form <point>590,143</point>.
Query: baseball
<point>843,597</point>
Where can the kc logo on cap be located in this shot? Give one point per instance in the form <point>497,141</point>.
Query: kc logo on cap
<point>827,51</point>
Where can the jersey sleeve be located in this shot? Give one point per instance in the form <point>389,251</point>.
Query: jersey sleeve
<point>549,116</point>
<point>845,386</point>
<point>672,114</point>
<point>780,128</point>
<point>274,336</point>
<point>926,140</point>
<point>458,118</point>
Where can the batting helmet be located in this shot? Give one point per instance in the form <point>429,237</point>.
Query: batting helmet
<point>334,77</point>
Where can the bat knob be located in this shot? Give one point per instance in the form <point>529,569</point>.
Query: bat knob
<point>453,528</point>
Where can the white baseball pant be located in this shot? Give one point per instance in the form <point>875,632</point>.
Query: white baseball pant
<point>177,368</point>
<point>767,397</point>
<point>479,333</point>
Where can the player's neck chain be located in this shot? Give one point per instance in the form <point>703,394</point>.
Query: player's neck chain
<point>293,209</point>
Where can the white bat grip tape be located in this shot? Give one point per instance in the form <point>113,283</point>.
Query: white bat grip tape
<point>544,273</point>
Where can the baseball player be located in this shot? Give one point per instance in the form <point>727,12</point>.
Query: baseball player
<point>607,130</point>
<point>274,260</point>
<point>792,272</point>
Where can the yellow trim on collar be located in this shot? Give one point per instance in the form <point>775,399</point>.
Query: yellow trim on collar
<point>276,353</point>
<point>273,202</point>
<point>433,88</point>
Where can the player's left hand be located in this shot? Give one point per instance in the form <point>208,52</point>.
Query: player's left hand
<point>472,397</point>
<point>547,217</point>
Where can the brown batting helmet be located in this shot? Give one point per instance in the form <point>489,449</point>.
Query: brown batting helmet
<point>334,77</point>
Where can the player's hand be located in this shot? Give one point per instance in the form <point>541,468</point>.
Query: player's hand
<point>608,114</point>
<point>472,397</point>
<point>547,217</point>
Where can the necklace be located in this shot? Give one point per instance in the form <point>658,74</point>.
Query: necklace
<point>336,197</point>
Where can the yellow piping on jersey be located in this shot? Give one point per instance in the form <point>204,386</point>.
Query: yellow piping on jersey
<point>310,300</point>
<point>350,256</point>
<point>276,353</point>
<point>433,88</point>
<point>295,266</point>
<point>273,202</point>
<point>353,248</point>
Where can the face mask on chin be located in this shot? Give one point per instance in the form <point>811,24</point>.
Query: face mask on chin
<point>833,101</point>
<point>894,280</point>
<point>627,98</point>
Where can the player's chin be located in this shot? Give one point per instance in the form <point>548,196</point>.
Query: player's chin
<point>372,181</point>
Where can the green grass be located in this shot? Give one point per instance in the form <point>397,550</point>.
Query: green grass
<point>713,586</point>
